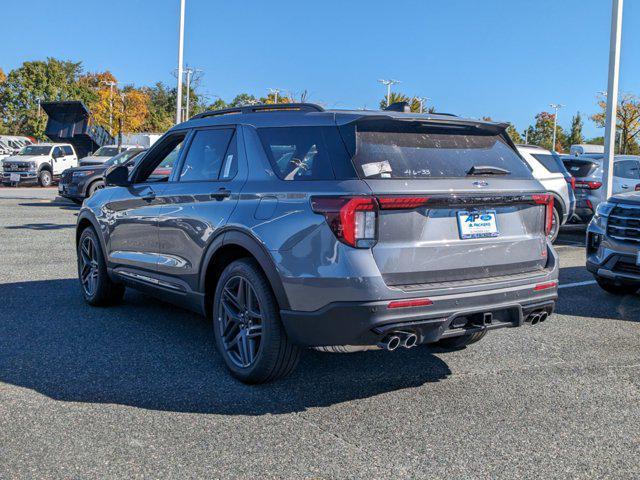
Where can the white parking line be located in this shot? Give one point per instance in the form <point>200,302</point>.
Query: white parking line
<point>577,284</point>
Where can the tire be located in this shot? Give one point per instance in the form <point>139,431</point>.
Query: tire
<point>96,286</point>
<point>460,342</point>
<point>555,228</point>
<point>45,179</point>
<point>249,334</point>
<point>617,288</point>
<point>77,201</point>
<point>95,186</point>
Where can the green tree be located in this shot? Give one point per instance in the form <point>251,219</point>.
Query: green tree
<point>575,134</point>
<point>47,80</point>
<point>542,133</point>
<point>414,102</point>
<point>243,99</point>
<point>513,133</point>
<point>162,108</point>
<point>219,104</point>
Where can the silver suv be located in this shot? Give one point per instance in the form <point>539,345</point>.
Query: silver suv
<point>291,226</point>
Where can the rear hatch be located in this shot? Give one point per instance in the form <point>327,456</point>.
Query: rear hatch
<point>587,173</point>
<point>456,203</point>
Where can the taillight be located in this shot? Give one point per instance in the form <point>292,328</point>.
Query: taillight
<point>547,200</point>
<point>571,181</point>
<point>414,302</point>
<point>352,219</point>
<point>545,286</point>
<point>401,203</point>
<point>637,187</point>
<point>589,185</point>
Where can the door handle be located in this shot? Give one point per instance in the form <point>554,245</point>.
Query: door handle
<point>149,196</point>
<point>221,194</point>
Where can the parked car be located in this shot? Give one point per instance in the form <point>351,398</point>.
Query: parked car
<point>587,170</point>
<point>79,183</point>
<point>105,153</point>
<point>41,163</point>
<point>586,148</point>
<point>549,170</point>
<point>613,244</point>
<point>291,226</point>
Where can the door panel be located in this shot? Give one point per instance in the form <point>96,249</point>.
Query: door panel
<point>193,211</point>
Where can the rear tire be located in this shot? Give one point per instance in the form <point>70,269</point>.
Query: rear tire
<point>96,286</point>
<point>617,288</point>
<point>248,331</point>
<point>460,342</point>
<point>45,179</point>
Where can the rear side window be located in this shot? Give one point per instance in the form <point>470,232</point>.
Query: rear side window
<point>627,169</point>
<point>304,153</point>
<point>551,162</point>
<point>206,154</point>
<point>580,168</point>
<point>67,150</point>
<point>392,150</point>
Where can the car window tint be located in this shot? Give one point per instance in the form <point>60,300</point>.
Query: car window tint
<point>550,162</point>
<point>67,150</point>
<point>158,162</point>
<point>627,169</point>
<point>205,155</point>
<point>230,165</point>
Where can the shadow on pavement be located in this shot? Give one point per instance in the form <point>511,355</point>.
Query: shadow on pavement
<point>58,204</point>
<point>148,354</point>
<point>40,226</point>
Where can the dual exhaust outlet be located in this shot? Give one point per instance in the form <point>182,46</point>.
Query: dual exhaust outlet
<point>398,339</point>
<point>536,317</point>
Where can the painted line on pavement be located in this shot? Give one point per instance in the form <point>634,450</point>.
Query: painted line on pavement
<point>577,284</point>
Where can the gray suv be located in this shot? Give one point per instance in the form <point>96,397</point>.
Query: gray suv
<point>291,226</point>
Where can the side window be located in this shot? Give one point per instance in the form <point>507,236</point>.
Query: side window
<point>206,154</point>
<point>67,150</point>
<point>57,152</point>
<point>230,164</point>
<point>158,163</point>
<point>299,153</point>
<point>626,169</point>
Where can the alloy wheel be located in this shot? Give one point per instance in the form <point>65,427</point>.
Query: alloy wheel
<point>240,321</point>
<point>88,266</point>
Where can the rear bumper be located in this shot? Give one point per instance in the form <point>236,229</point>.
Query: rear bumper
<point>366,323</point>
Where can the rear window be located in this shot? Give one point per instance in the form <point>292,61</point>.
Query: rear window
<point>580,168</point>
<point>304,153</point>
<point>412,151</point>
<point>550,161</point>
<point>106,152</point>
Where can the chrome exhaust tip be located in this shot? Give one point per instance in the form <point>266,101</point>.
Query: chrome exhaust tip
<point>543,316</point>
<point>390,343</point>
<point>409,340</point>
<point>535,319</point>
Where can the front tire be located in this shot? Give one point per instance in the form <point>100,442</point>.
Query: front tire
<point>96,286</point>
<point>455,343</point>
<point>617,288</point>
<point>95,187</point>
<point>45,179</point>
<point>248,331</point>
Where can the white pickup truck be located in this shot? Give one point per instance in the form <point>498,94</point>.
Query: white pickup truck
<point>41,163</point>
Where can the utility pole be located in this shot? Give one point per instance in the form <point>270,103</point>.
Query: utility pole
<point>388,83</point>
<point>38,100</point>
<point>111,84</point>
<point>188,71</point>
<point>275,92</point>
<point>180,59</point>
<point>612,97</point>
<point>556,107</point>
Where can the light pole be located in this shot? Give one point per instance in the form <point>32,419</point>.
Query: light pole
<point>423,101</point>
<point>612,96</point>
<point>38,100</point>
<point>556,107</point>
<point>275,92</point>
<point>388,83</point>
<point>180,58</point>
<point>110,84</point>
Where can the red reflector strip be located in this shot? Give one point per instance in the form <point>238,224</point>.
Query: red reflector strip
<point>401,203</point>
<point>415,302</point>
<point>545,286</point>
<point>589,185</point>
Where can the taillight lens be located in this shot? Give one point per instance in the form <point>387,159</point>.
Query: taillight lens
<point>353,220</point>
<point>547,200</point>
<point>589,185</point>
<point>637,187</point>
<point>401,203</point>
<point>571,181</point>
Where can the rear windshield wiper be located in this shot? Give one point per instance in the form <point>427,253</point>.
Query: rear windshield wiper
<point>487,170</point>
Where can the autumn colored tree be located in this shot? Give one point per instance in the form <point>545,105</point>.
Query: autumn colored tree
<point>271,99</point>
<point>627,120</point>
<point>3,77</point>
<point>542,133</point>
<point>514,134</point>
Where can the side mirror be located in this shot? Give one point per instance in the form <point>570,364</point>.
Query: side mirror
<point>117,176</point>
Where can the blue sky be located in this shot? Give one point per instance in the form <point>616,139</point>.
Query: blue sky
<point>505,59</point>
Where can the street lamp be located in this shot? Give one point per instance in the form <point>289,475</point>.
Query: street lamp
<point>423,101</point>
<point>388,83</point>
<point>180,58</point>
<point>556,107</point>
<point>275,92</point>
<point>110,84</point>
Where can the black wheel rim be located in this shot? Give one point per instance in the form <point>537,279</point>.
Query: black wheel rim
<point>88,266</point>
<point>240,321</point>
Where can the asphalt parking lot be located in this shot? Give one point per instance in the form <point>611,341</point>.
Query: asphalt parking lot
<point>137,390</point>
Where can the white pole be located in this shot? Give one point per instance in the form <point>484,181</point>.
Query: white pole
<point>180,53</point>
<point>612,97</point>
<point>188,71</point>
<point>556,106</point>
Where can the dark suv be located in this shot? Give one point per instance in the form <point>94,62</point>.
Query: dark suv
<point>291,226</point>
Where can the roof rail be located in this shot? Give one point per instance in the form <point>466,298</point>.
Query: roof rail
<point>274,107</point>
